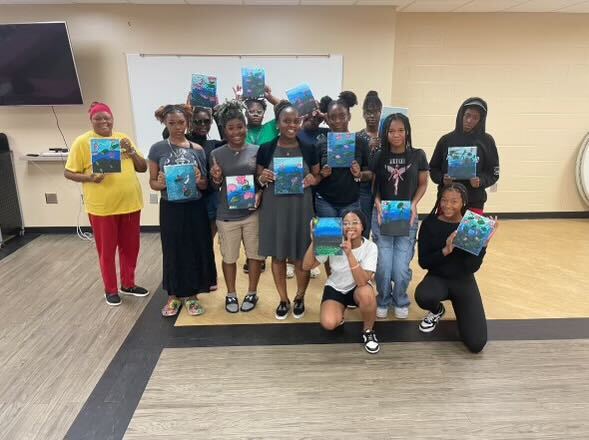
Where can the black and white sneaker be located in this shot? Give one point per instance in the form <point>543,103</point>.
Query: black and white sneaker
<point>282,310</point>
<point>298,309</point>
<point>431,320</point>
<point>113,299</point>
<point>370,342</point>
<point>134,291</point>
<point>231,304</point>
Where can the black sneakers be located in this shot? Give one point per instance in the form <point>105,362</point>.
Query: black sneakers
<point>134,291</point>
<point>282,310</point>
<point>113,300</point>
<point>431,320</point>
<point>370,342</point>
<point>298,309</point>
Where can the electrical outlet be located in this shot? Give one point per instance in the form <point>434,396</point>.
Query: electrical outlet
<point>153,198</point>
<point>51,198</point>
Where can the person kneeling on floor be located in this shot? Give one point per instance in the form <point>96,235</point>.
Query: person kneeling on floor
<point>350,281</point>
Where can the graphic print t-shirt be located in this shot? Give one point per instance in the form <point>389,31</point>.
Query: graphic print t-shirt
<point>398,177</point>
<point>165,153</point>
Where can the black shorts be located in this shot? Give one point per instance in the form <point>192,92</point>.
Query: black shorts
<point>346,299</point>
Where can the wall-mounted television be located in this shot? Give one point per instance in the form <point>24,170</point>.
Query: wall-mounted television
<point>37,65</point>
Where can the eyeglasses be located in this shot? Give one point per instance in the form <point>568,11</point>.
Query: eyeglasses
<point>201,121</point>
<point>352,223</point>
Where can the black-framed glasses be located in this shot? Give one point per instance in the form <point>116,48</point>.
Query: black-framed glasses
<point>201,121</point>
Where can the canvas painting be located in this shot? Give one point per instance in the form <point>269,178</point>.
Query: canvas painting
<point>241,192</point>
<point>289,175</point>
<point>106,155</point>
<point>328,236</point>
<point>204,90</point>
<point>302,98</point>
<point>341,149</point>
<point>396,216</point>
<point>180,182</point>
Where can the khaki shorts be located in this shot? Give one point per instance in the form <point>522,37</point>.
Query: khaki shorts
<point>231,234</point>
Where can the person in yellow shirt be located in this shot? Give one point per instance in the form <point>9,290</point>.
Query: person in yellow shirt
<point>113,202</point>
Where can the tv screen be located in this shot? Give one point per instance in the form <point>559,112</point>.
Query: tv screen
<point>37,65</point>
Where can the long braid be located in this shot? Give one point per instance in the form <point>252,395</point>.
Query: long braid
<point>454,186</point>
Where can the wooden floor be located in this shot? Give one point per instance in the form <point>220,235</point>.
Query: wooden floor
<point>513,390</point>
<point>57,335</point>
<point>533,269</point>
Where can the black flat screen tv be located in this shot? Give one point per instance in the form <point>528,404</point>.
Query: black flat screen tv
<point>37,65</point>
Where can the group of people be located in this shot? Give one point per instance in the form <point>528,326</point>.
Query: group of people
<point>373,273</point>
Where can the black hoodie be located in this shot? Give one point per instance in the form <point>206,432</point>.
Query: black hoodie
<point>488,163</point>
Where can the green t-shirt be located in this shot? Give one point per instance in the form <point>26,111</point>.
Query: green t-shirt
<point>264,133</point>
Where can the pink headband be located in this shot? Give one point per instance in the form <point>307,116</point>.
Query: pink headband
<point>99,107</point>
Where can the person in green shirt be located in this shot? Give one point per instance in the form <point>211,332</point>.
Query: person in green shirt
<point>258,133</point>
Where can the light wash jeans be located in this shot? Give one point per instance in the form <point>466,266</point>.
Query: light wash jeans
<point>394,257</point>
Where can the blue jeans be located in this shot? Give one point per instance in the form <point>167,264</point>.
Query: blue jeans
<point>394,257</point>
<point>366,204</point>
<point>325,209</point>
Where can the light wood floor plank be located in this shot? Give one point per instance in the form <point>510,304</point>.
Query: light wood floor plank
<point>513,390</point>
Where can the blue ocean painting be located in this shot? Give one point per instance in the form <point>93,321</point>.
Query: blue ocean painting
<point>302,98</point>
<point>328,236</point>
<point>341,149</point>
<point>289,175</point>
<point>253,82</point>
<point>241,192</point>
<point>181,182</point>
<point>473,233</point>
<point>106,155</point>
<point>386,111</point>
<point>396,215</point>
<point>462,162</point>
<point>204,90</point>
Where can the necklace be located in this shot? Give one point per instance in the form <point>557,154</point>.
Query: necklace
<point>174,153</point>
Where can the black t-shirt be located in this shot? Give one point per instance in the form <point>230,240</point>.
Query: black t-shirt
<point>340,188</point>
<point>397,175</point>
<point>433,234</point>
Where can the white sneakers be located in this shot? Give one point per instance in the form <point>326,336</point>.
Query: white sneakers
<point>399,312</point>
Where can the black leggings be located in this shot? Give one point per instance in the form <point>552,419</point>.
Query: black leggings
<point>466,301</point>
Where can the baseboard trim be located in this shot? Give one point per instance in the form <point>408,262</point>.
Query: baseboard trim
<point>502,215</point>
<point>72,229</point>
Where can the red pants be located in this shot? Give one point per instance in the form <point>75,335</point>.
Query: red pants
<point>114,231</point>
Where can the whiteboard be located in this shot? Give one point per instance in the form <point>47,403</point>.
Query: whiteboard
<point>156,80</point>
<point>582,170</point>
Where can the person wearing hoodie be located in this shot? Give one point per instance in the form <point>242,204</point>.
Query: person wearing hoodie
<point>470,130</point>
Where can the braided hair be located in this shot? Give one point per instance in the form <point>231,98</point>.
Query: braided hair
<point>454,186</point>
<point>386,153</point>
<point>280,107</point>
<point>165,110</point>
<point>372,101</point>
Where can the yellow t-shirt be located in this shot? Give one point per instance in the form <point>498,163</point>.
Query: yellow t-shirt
<point>118,193</point>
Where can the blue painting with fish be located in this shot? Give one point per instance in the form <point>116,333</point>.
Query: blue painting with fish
<point>473,233</point>
<point>181,182</point>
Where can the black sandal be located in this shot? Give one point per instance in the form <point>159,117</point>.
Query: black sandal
<point>249,302</point>
<point>231,300</point>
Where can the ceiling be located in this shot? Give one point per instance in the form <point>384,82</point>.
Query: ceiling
<point>562,6</point>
